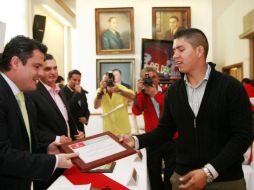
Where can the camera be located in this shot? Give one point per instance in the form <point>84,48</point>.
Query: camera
<point>110,81</point>
<point>148,80</point>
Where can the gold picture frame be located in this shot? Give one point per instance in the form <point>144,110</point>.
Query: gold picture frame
<point>114,30</point>
<point>167,20</point>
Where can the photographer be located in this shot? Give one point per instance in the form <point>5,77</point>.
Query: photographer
<point>114,98</point>
<point>149,101</point>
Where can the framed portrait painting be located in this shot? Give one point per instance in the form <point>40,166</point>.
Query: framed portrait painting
<point>126,67</point>
<point>114,30</point>
<point>159,54</point>
<point>166,21</point>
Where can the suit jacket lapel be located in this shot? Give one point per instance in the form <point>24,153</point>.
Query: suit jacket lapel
<point>14,104</point>
<point>62,95</point>
<point>48,97</point>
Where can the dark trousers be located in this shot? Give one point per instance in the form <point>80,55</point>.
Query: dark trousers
<point>44,185</point>
<point>252,125</point>
<point>156,155</point>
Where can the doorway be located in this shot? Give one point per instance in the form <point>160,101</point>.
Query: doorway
<point>235,70</point>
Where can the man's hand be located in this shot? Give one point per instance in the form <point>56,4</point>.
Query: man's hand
<point>194,180</point>
<point>150,90</point>
<point>139,85</point>
<point>80,135</point>
<point>77,88</point>
<point>64,139</point>
<point>82,120</point>
<point>64,160</point>
<point>103,84</point>
<point>53,148</point>
<point>114,89</point>
<point>127,139</point>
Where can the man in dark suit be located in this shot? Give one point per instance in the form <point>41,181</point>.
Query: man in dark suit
<point>55,121</point>
<point>118,78</point>
<point>20,162</point>
<point>50,103</point>
<point>76,98</point>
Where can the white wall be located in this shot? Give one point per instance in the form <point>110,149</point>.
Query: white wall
<point>19,20</point>
<point>15,14</point>
<point>228,25</point>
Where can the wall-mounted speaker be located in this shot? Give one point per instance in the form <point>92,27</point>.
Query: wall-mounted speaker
<point>39,27</point>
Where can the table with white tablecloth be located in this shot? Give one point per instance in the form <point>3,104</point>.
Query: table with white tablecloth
<point>124,168</point>
<point>121,174</point>
<point>249,176</point>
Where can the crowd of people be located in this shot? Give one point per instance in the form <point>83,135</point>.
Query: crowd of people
<point>196,131</point>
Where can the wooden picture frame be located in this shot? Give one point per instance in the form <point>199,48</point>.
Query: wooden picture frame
<point>126,66</point>
<point>114,30</point>
<point>106,168</point>
<point>167,20</point>
<point>89,143</point>
<point>159,54</point>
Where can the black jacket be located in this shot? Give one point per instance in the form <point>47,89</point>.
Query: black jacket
<point>78,105</point>
<point>50,119</point>
<point>220,133</point>
<point>18,167</point>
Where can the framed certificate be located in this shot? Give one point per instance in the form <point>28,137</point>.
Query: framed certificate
<point>97,150</point>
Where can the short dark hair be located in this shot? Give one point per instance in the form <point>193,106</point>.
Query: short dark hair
<point>117,70</point>
<point>174,17</point>
<point>195,37</point>
<point>48,57</point>
<point>59,79</point>
<point>23,48</point>
<point>73,72</point>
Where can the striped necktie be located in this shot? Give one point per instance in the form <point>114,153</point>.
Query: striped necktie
<point>21,101</point>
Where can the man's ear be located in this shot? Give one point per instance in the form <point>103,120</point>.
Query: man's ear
<point>200,51</point>
<point>15,61</point>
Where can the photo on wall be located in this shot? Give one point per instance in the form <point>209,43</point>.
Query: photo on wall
<point>114,30</point>
<point>126,66</point>
<point>166,21</point>
<point>159,54</point>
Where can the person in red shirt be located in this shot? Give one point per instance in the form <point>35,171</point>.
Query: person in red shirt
<point>249,88</point>
<point>149,101</point>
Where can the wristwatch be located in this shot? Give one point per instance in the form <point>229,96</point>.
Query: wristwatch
<point>208,174</point>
